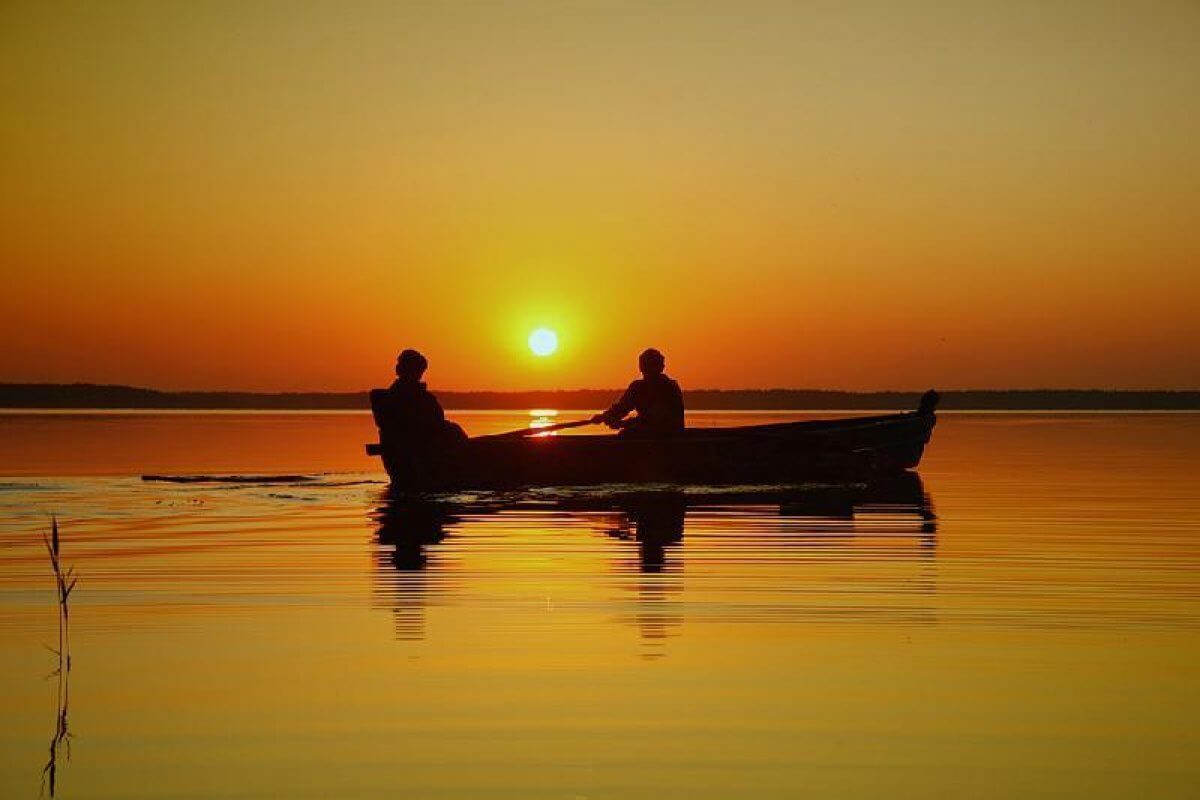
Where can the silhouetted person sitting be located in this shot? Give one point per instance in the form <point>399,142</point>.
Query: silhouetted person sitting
<point>409,414</point>
<point>656,398</point>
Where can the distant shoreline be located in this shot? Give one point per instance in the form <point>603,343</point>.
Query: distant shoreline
<point>97,396</point>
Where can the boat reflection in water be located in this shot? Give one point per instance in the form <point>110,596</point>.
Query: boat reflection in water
<point>801,546</point>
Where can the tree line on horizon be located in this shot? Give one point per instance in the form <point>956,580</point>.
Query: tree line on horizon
<point>84,395</point>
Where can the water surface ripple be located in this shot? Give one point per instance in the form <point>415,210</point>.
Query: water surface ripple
<point>1019,619</point>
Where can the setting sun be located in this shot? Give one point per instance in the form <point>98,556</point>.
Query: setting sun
<point>543,342</point>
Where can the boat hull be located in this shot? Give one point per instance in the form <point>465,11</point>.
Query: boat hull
<point>855,448</point>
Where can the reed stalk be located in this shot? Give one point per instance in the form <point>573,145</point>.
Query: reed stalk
<point>64,582</point>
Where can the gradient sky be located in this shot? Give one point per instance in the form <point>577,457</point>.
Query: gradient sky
<point>281,195</point>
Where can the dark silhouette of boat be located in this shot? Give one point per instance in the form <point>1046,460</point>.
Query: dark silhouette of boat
<point>856,448</point>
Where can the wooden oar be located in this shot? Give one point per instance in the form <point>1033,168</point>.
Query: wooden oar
<point>523,432</point>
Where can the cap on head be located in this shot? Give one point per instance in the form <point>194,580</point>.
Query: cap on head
<point>410,363</point>
<point>652,362</point>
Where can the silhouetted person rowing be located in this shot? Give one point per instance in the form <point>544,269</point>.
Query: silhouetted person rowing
<point>408,413</point>
<point>656,398</point>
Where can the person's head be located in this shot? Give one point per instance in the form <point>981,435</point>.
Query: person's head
<point>410,365</point>
<point>651,363</point>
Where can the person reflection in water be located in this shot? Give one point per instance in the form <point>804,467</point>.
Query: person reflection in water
<point>409,527</point>
<point>414,415</point>
<point>657,524</point>
<point>656,398</point>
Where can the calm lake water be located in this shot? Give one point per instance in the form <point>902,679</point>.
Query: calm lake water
<point>1023,621</point>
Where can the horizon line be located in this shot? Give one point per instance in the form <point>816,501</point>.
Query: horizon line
<point>744,389</point>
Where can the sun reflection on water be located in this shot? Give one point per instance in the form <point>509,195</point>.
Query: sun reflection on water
<point>543,418</point>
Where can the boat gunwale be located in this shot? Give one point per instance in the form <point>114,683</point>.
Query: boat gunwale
<point>723,434</point>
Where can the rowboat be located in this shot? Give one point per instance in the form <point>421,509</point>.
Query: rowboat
<point>856,448</point>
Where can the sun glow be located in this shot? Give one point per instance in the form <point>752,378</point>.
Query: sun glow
<point>543,342</point>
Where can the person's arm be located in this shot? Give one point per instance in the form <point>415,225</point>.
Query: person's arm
<point>617,411</point>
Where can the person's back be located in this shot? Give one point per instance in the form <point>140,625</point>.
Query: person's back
<point>656,398</point>
<point>414,407</point>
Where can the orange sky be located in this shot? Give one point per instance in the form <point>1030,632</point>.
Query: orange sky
<point>280,197</point>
